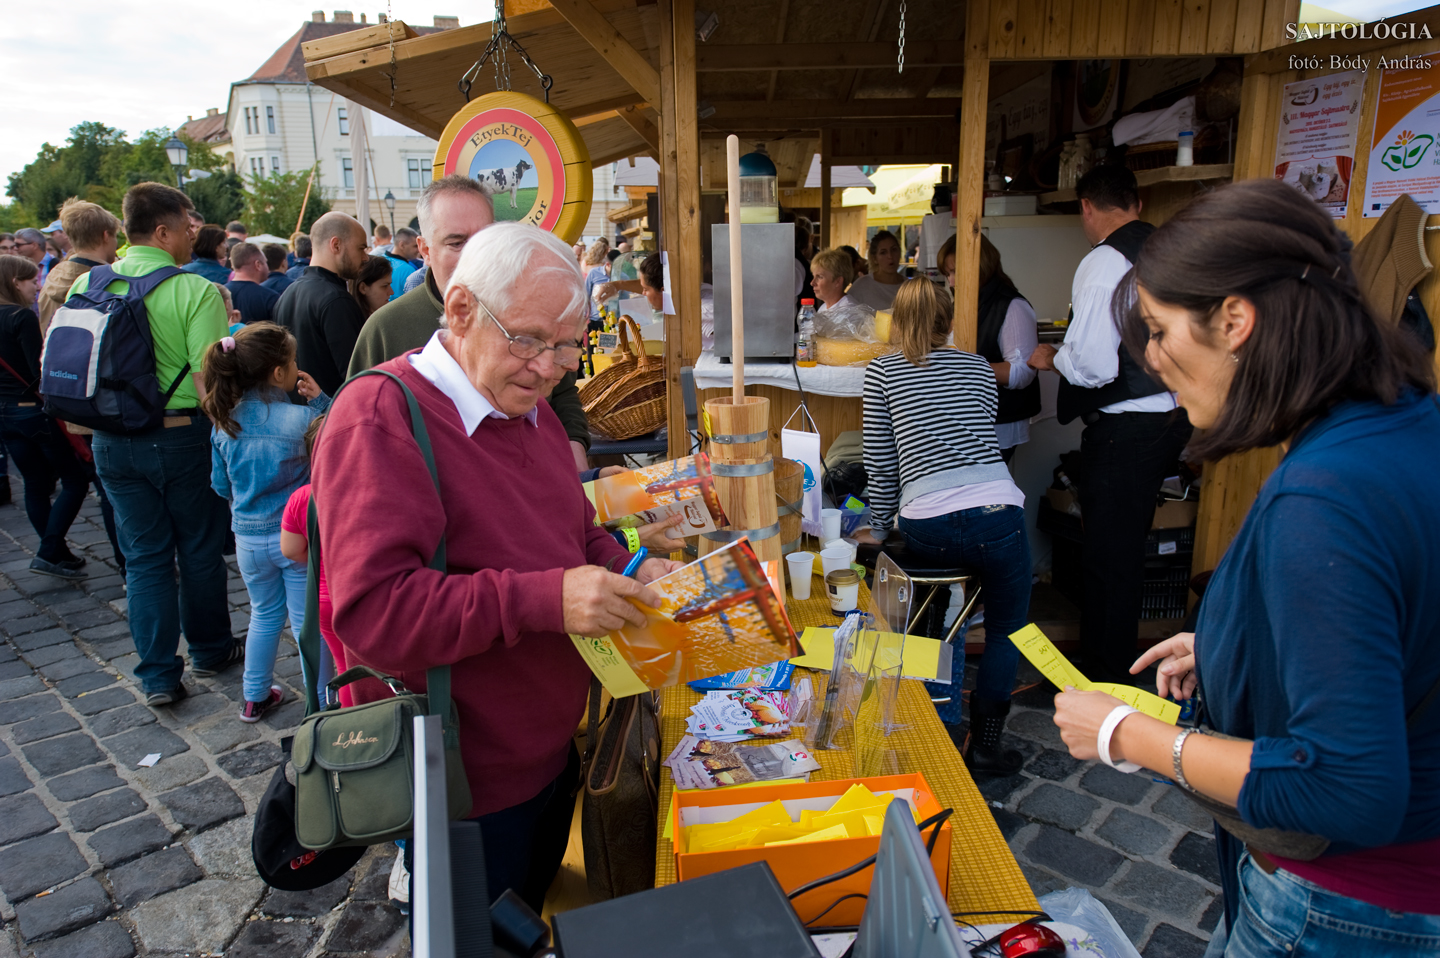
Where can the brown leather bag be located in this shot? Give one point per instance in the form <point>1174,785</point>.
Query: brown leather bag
<point>621,772</point>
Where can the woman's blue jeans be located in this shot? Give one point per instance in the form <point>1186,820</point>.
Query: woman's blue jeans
<point>1284,916</point>
<point>277,588</point>
<point>991,541</point>
<point>43,456</point>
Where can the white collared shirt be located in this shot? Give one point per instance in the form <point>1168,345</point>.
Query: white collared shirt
<point>435,363</point>
<point>1090,356</point>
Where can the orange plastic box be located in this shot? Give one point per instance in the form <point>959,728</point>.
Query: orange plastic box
<point>794,865</point>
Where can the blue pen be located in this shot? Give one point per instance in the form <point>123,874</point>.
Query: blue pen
<point>633,565</point>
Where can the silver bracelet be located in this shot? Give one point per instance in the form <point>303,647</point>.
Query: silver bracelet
<point>1175,751</point>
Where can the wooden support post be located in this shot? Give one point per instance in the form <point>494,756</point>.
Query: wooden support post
<point>670,224</point>
<point>971,172</point>
<point>686,269</point>
<point>737,272</point>
<point>826,138</point>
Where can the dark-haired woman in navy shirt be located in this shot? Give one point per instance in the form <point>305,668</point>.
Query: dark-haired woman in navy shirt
<point>1317,649</point>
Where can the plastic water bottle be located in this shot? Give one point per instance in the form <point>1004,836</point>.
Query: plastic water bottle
<point>805,338</point>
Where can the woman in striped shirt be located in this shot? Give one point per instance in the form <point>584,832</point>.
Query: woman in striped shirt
<point>931,453</point>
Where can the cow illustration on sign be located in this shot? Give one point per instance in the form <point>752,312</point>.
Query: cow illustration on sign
<point>500,167</point>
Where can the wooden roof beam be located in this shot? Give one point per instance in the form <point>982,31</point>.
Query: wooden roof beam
<point>637,121</point>
<point>613,48</point>
<point>603,106</point>
<point>635,149</point>
<point>743,111</point>
<point>726,58</point>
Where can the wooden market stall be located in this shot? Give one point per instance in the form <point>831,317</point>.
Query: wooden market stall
<point>824,80</point>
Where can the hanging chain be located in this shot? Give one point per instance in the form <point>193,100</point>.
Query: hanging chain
<point>902,37</point>
<point>497,52</point>
<point>390,30</point>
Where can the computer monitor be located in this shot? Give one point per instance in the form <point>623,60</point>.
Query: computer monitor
<point>907,915</point>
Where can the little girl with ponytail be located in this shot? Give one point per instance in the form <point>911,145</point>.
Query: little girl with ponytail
<point>258,460</point>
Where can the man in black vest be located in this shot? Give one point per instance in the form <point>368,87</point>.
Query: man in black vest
<point>1133,431</point>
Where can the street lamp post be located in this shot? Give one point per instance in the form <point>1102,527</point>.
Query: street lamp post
<point>179,153</point>
<point>390,205</point>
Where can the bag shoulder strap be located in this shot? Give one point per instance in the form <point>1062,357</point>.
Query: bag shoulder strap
<point>21,379</point>
<point>437,680</point>
<point>139,286</point>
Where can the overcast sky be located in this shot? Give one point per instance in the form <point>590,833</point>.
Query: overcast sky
<point>140,65</point>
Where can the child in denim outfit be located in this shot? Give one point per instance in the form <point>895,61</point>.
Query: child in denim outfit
<point>258,460</point>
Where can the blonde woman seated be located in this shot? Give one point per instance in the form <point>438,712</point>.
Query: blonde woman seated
<point>935,471</point>
<point>832,273</point>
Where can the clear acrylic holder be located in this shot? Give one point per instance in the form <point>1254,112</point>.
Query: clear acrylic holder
<point>834,717</point>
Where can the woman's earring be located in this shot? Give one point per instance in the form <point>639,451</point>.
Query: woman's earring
<point>1235,358</point>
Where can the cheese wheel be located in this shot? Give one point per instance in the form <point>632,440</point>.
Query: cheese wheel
<point>847,352</point>
<point>882,325</point>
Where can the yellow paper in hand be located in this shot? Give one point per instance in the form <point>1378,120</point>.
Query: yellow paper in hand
<point>1054,666</point>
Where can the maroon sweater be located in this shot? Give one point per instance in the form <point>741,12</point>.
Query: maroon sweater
<point>514,519</point>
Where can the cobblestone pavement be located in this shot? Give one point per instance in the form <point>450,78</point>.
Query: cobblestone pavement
<point>102,859</point>
<point>1137,844</point>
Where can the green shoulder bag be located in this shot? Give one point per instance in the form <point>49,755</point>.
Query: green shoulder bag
<point>355,767</point>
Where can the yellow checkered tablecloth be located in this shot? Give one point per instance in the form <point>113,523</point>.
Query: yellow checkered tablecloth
<point>983,873</point>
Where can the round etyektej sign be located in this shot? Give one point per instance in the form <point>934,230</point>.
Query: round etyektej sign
<point>527,155</point>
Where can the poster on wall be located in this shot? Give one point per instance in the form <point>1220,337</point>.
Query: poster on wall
<point>1315,145</point>
<point>1403,153</point>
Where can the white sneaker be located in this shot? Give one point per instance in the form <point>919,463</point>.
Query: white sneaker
<point>400,879</point>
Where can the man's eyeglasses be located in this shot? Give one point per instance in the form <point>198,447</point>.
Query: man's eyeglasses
<point>528,347</point>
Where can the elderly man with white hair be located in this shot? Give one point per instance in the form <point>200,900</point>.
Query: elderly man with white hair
<point>526,563</point>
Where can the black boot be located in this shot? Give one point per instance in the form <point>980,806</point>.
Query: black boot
<point>984,756</point>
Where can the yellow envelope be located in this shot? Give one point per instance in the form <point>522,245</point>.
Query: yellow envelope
<point>669,830</point>
<point>853,823</point>
<point>921,655</point>
<point>824,835</point>
<point>1054,666</point>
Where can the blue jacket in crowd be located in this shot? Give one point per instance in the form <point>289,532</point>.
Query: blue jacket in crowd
<point>259,468</point>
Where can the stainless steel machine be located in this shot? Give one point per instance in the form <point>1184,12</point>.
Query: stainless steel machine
<point>770,307</point>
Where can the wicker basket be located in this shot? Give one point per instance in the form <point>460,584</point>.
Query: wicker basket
<point>634,404</point>
<point>593,388</point>
<point>631,421</point>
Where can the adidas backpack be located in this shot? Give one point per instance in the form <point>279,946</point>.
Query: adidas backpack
<point>98,365</point>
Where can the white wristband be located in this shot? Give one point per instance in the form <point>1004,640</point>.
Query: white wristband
<point>1107,729</point>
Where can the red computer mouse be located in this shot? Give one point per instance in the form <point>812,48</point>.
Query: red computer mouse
<point>1031,940</point>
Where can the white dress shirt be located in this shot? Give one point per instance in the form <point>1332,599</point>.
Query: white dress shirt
<point>1090,355</point>
<point>435,363</point>
<point>1018,339</point>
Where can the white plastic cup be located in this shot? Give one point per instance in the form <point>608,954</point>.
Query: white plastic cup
<point>834,558</point>
<point>850,544</point>
<point>802,570</point>
<point>830,524</point>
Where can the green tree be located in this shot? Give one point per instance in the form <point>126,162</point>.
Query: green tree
<point>15,216</point>
<point>274,203</point>
<point>219,197</point>
<point>98,164</point>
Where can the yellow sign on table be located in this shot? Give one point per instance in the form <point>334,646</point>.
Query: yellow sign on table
<point>921,655</point>
<point>1054,666</point>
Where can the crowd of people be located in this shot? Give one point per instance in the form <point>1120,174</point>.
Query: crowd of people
<point>1240,317</point>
